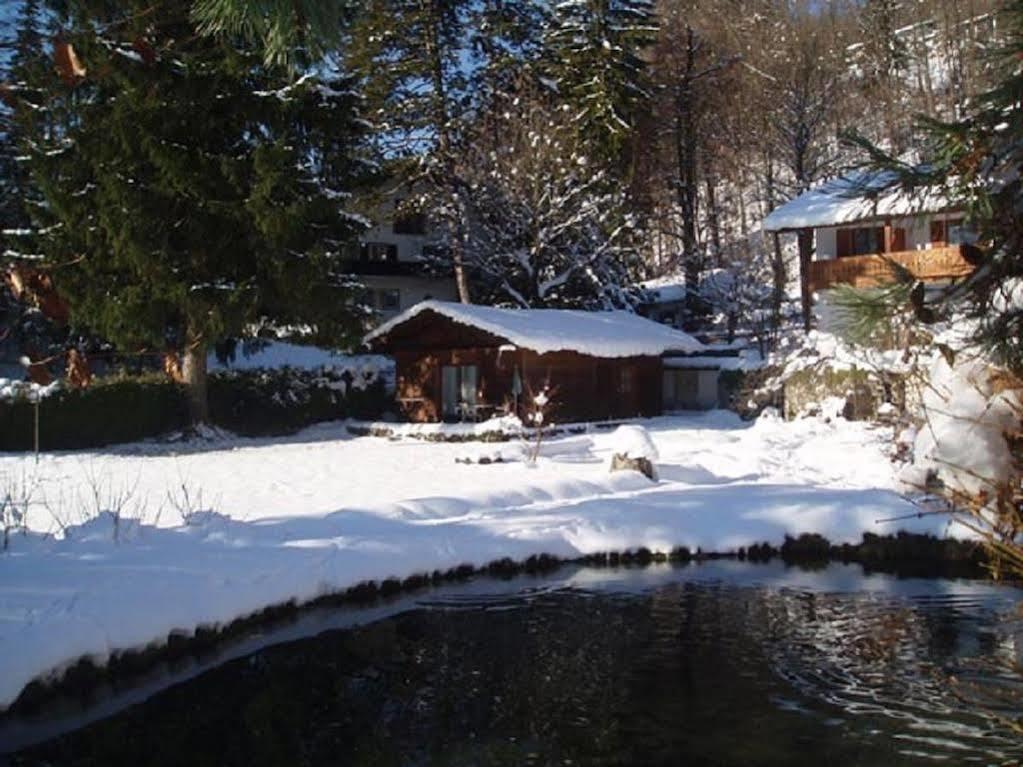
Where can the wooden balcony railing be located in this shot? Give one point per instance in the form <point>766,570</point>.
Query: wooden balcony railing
<point>936,264</point>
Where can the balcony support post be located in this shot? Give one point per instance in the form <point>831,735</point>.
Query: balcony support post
<point>804,239</point>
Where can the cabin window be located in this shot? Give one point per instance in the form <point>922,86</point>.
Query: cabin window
<point>458,390</point>
<point>379,251</point>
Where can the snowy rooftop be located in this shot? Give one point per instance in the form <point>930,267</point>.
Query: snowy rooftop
<point>859,196</point>
<point>598,334</point>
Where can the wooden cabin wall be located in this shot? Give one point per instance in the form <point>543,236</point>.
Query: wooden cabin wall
<point>584,388</point>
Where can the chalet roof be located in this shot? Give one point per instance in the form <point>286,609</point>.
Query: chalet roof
<point>860,196</point>
<point>597,334</point>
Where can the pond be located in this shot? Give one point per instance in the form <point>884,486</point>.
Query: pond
<point>716,663</point>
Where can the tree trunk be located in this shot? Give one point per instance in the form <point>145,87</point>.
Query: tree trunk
<point>713,219</point>
<point>195,375</point>
<point>805,240</point>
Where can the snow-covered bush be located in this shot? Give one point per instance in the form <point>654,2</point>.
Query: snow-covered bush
<point>962,440</point>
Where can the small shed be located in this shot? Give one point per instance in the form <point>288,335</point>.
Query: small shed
<point>457,361</point>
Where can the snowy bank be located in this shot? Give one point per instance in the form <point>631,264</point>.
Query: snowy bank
<point>309,516</point>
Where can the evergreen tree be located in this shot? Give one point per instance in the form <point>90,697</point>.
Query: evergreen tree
<point>976,161</point>
<point>593,51</point>
<point>294,33</point>
<point>425,68</point>
<point>190,189</point>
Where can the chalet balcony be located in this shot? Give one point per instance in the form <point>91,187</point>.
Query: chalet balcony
<point>932,265</point>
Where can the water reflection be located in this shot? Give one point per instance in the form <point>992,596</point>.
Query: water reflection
<point>718,664</point>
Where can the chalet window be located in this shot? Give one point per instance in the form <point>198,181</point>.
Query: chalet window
<point>961,234</point>
<point>866,240</point>
<point>407,221</point>
<point>859,241</point>
<point>458,390</point>
<point>954,232</point>
<point>379,251</point>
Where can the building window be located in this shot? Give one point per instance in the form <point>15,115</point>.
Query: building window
<point>961,234</point>
<point>867,240</point>
<point>389,300</point>
<point>379,251</point>
<point>408,220</point>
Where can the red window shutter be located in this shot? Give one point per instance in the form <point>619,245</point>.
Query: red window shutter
<point>899,239</point>
<point>843,243</point>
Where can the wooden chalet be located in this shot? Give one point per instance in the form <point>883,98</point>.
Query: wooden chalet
<point>859,226</point>
<point>463,362</point>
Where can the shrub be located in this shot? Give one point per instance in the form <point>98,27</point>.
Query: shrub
<point>126,409</point>
<point>259,402</point>
<point>116,409</point>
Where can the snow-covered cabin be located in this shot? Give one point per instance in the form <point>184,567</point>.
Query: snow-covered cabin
<point>860,225</point>
<point>457,362</point>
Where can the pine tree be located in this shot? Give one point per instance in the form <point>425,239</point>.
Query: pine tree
<point>425,68</point>
<point>190,189</point>
<point>294,34</point>
<point>593,53</point>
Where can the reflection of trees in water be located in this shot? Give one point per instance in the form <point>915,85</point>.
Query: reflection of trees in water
<point>692,674</point>
<point>894,662</point>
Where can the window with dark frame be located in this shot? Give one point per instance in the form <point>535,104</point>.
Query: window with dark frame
<point>389,299</point>
<point>379,252</point>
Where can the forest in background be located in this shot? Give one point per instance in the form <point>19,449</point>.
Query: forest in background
<point>182,185</point>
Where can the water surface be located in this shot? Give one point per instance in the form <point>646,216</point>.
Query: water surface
<point>720,663</point>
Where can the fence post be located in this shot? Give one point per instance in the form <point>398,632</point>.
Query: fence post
<point>36,419</point>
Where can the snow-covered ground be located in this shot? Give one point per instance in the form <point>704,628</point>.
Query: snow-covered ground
<point>295,518</point>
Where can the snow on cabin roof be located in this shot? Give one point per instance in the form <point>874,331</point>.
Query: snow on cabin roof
<point>598,334</point>
<point>860,196</point>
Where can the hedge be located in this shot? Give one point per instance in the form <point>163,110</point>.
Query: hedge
<point>127,409</point>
